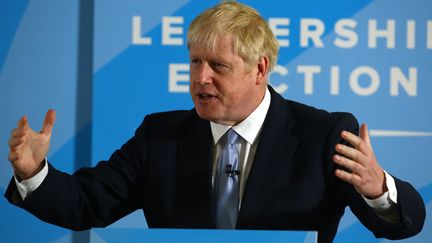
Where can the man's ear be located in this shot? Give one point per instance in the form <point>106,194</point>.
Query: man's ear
<point>262,69</point>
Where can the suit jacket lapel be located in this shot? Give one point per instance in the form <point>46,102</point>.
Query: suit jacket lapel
<point>276,145</point>
<point>195,165</point>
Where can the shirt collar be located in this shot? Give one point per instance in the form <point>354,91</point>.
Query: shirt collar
<point>249,128</point>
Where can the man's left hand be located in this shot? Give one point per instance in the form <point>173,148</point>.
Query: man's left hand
<point>362,168</point>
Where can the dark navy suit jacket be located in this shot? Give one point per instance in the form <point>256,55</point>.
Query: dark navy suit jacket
<point>165,169</point>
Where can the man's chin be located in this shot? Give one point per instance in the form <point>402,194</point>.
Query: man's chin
<point>206,115</point>
<point>216,119</point>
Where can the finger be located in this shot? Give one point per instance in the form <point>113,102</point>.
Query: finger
<point>348,164</point>
<point>356,142</point>
<point>348,177</point>
<point>351,138</point>
<point>49,122</point>
<point>23,123</point>
<point>349,152</point>
<point>17,132</point>
<point>13,142</point>
<point>364,135</point>
<point>13,157</point>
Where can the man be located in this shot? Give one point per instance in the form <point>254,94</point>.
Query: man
<point>287,166</point>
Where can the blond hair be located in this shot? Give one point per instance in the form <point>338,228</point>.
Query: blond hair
<point>252,37</point>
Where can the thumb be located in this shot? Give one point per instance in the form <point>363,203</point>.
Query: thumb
<point>364,134</point>
<point>49,122</point>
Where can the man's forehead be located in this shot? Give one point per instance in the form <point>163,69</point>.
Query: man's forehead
<point>221,44</point>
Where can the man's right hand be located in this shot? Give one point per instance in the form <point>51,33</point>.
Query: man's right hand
<point>28,148</point>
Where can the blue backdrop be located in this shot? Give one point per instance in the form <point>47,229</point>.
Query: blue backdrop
<point>103,65</point>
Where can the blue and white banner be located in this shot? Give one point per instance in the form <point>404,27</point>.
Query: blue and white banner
<point>372,58</point>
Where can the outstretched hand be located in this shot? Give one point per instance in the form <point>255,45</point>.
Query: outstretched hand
<point>28,148</point>
<point>362,168</point>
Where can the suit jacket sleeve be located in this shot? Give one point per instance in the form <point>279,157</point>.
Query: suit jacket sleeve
<point>92,197</point>
<point>410,205</point>
<point>411,210</point>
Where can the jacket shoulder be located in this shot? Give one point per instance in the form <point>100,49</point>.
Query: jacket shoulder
<point>309,116</point>
<point>170,123</point>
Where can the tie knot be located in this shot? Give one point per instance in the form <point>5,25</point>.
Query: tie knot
<point>232,136</point>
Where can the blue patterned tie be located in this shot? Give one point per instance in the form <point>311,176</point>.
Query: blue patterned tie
<point>226,186</point>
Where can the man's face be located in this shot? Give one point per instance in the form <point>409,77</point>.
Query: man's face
<point>222,88</point>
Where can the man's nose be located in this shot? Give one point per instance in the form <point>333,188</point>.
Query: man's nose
<point>205,74</point>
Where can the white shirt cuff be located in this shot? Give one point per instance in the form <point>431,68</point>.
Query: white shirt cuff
<point>26,187</point>
<point>386,200</point>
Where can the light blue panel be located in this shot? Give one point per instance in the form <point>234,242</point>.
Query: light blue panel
<point>198,236</point>
<point>39,73</point>
<point>38,64</point>
<point>11,13</point>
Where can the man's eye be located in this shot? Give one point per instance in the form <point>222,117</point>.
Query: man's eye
<point>219,66</point>
<point>195,61</point>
